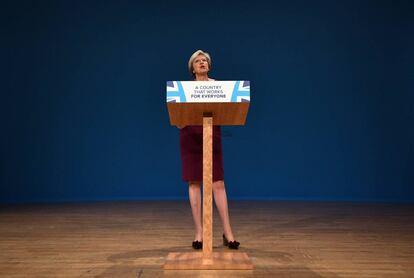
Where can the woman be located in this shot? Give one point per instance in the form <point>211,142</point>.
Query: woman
<point>191,145</point>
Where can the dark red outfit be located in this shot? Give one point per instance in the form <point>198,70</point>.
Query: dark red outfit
<point>191,147</point>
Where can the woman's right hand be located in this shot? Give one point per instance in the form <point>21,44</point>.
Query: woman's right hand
<point>180,126</point>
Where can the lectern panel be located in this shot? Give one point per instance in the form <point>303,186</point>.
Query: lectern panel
<point>229,113</point>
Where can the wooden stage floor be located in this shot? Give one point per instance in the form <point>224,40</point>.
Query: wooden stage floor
<point>132,239</point>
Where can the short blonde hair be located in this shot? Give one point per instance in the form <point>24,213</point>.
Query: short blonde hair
<point>192,58</point>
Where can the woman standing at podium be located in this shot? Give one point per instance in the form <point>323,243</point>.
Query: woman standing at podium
<point>191,148</point>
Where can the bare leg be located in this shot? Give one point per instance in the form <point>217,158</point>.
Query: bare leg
<point>194,193</point>
<point>220,199</point>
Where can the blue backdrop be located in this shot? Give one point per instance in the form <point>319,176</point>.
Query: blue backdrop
<point>83,109</point>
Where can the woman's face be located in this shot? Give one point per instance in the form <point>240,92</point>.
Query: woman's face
<point>200,65</point>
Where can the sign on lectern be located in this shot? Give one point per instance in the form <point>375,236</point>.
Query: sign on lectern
<point>228,101</point>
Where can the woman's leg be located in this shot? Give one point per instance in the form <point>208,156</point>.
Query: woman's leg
<point>220,199</point>
<point>194,193</point>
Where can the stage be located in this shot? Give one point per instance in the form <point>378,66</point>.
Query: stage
<point>132,239</point>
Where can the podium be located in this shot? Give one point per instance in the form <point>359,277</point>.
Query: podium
<point>208,103</point>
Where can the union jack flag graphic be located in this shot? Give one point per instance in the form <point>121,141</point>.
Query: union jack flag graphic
<point>175,92</point>
<point>241,92</point>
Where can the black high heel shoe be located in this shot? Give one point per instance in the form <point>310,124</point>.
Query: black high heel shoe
<point>197,244</point>
<point>231,244</point>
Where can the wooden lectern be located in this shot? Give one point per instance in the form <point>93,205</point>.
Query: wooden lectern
<point>206,103</point>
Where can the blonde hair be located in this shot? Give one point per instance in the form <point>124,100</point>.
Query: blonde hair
<point>192,58</point>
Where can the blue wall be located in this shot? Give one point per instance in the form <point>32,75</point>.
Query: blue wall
<point>83,109</point>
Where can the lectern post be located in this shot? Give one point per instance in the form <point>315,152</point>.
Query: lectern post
<point>207,187</point>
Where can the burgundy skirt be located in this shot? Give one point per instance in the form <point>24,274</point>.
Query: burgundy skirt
<point>191,148</point>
